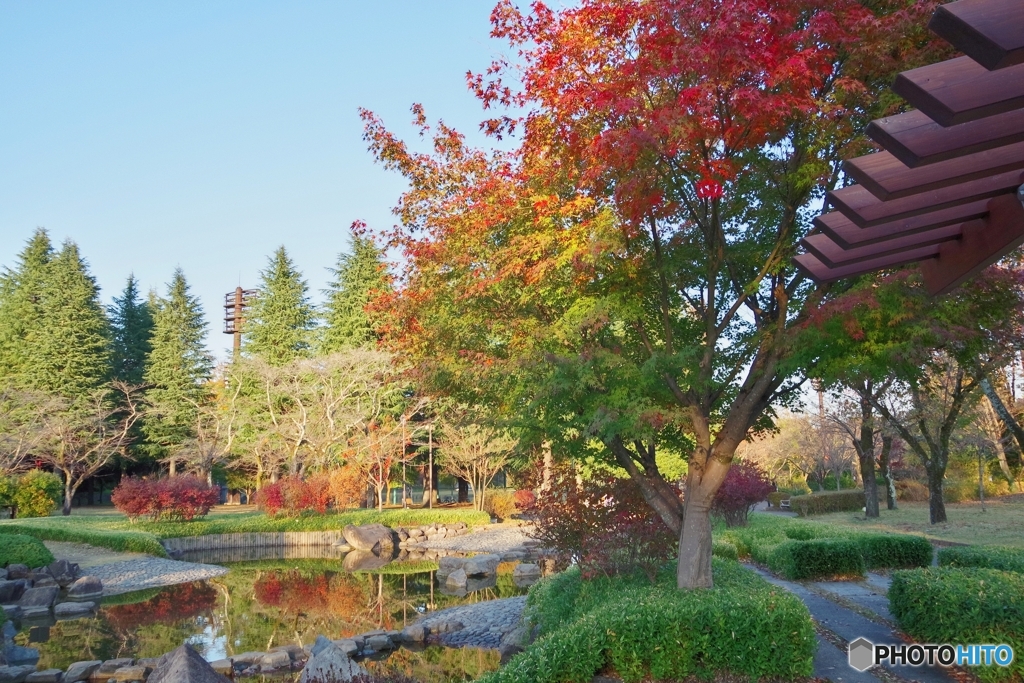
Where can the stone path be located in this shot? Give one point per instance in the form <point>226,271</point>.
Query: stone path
<point>151,572</point>
<point>484,623</point>
<point>498,539</point>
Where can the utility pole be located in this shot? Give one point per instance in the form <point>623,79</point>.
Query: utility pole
<point>235,304</point>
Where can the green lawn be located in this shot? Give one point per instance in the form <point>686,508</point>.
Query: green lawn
<point>1001,524</point>
<point>110,529</point>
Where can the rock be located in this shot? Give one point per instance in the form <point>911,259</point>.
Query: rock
<point>45,676</point>
<point>330,664</point>
<point>379,643</point>
<point>86,588</point>
<point>184,665</point>
<point>12,590</point>
<point>447,565</point>
<point>15,674</point>
<point>457,579</point>
<point>129,673</point>
<point>18,655</point>
<point>347,645</point>
<point>373,537</point>
<point>225,667</point>
<point>364,561</point>
<point>481,565</point>
<point>73,610</point>
<point>63,572</point>
<point>17,571</point>
<point>417,633</point>
<point>319,645</point>
<point>81,671</point>
<point>276,660</point>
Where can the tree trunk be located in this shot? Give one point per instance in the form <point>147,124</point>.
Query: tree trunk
<point>936,506</point>
<point>890,483</point>
<point>694,566</point>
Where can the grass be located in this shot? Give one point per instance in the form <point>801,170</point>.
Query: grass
<point>967,523</point>
<point>108,528</point>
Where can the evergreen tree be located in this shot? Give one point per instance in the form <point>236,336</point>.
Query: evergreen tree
<point>357,279</point>
<point>131,322</point>
<point>69,342</point>
<point>178,368</point>
<point>281,320</point>
<point>21,292</point>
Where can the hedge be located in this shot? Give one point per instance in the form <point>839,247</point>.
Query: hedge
<point>962,606</point>
<point>822,558</point>
<point>991,557</point>
<point>894,551</point>
<point>22,549</point>
<point>835,501</point>
<point>743,626</point>
<point>59,530</point>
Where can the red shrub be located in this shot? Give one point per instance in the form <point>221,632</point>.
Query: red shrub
<point>524,499</point>
<point>133,497</point>
<point>744,487</point>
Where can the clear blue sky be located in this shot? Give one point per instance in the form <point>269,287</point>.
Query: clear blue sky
<point>205,134</point>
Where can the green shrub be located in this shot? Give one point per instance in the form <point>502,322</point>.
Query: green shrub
<point>821,503</point>
<point>962,605</point>
<point>894,551</point>
<point>822,558</point>
<point>991,557</point>
<point>742,626</point>
<point>725,550</point>
<point>21,549</point>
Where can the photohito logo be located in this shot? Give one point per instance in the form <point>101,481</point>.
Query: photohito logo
<point>863,654</point>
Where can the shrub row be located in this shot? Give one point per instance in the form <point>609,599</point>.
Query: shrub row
<point>960,606</point>
<point>743,626</point>
<point>59,529</point>
<point>991,557</point>
<point>22,549</point>
<point>835,501</point>
<point>173,498</point>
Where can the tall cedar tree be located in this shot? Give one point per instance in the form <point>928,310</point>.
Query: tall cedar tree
<point>624,276</point>
<point>21,291</point>
<point>131,324</point>
<point>177,371</point>
<point>69,354</point>
<point>359,278</point>
<point>281,319</point>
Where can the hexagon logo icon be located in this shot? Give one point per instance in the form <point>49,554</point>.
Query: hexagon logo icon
<point>861,654</point>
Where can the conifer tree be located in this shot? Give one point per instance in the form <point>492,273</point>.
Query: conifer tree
<point>281,319</point>
<point>357,279</point>
<point>131,324</point>
<point>69,342</point>
<point>20,299</point>
<point>178,368</point>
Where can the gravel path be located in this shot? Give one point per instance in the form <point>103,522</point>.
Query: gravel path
<point>484,623</point>
<point>151,572</point>
<point>498,539</point>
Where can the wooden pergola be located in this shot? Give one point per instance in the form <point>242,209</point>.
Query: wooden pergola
<point>946,192</point>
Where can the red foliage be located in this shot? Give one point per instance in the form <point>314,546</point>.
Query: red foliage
<point>605,526</point>
<point>181,602</point>
<point>175,498</point>
<point>524,499</point>
<point>745,486</point>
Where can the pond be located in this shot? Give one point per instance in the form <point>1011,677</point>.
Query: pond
<point>268,601</point>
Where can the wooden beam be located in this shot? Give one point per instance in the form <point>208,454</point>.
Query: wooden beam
<point>916,140</point>
<point>991,32</point>
<point>819,272</point>
<point>887,177</point>
<point>961,90</point>
<point>984,242</point>
<point>867,210</point>
<point>834,256</point>
<point>849,235</point>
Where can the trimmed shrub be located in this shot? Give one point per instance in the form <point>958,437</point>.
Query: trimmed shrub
<point>745,486</point>
<point>743,626</point>
<point>962,605</point>
<point>22,549</point>
<point>991,557</point>
<point>894,551</point>
<point>822,558</point>
<point>821,503</point>
<point>500,504</point>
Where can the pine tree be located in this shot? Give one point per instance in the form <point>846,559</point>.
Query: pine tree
<point>357,279</point>
<point>69,343</point>
<point>281,320</point>
<point>178,368</point>
<point>131,323</point>
<point>20,301</point>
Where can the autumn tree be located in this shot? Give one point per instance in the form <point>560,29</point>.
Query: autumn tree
<point>623,276</point>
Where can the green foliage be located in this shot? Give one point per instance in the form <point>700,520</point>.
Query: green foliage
<point>36,493</point>
<point>742,626</point>
<point>962,605</point>
<point>894,551</point>
<point>131,324</point>
<point>991,557</point>
<point>79,530</point>
<point>358,278</point>
<point>821,503</point>
<point>814,559</point>
<point>22,549</point>
<point>281,319</point>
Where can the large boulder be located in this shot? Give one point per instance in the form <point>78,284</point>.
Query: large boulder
<point>481,565</point>
<point>376,538</point>
<point>184,665</point>
<point>86,588</point>
<point>330,664</point>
